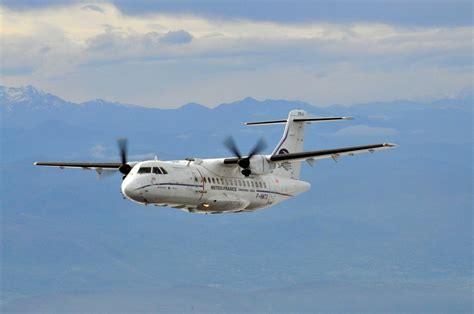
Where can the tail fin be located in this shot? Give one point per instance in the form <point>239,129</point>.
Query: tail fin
<point>293,139</point>
<point>291,142</point>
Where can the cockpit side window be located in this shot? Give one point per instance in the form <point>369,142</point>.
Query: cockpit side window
<point>157,170</point>
<point>144,170</point>
<point>163,170</point>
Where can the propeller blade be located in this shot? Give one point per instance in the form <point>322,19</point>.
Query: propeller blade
<point>122,144</point>
<point>229,143</point>
<point>259,147</point>
<point>124,168</point>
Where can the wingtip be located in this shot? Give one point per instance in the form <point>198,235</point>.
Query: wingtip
<point>35,163</point>
<point>391,145</point>
<point>347,118</point>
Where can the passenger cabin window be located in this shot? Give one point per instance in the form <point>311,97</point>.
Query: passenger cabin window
<point>144,170</point>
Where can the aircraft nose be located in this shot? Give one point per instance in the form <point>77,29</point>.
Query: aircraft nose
<point>131,191</point>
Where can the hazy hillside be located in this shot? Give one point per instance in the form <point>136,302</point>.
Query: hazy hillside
<point>396,225</point>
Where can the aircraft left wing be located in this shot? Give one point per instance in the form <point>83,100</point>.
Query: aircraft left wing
<point>331,153</point>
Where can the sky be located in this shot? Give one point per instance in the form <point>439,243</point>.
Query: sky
<point>169,53</point>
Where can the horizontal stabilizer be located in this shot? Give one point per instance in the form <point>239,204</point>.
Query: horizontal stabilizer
<point>305,119</point>
<point>266,122</point>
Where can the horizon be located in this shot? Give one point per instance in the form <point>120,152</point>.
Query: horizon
<point>465,93</point>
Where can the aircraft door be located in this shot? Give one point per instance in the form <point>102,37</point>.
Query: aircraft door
<point>199,184</point>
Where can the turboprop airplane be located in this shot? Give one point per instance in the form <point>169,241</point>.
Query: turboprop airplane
<point>225,185</point>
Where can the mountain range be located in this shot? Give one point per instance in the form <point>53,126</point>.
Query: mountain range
<point>396,225</point>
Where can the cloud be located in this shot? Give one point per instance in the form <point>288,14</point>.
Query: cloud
<point>106,41</point>
<point>93,8</point>
<point>365,130</point>
<point>104,53</point>
<point>408,13</point>
<point>135,45</point>
<point>177,37</point>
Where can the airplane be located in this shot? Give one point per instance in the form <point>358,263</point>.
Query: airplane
<point>225,185</point>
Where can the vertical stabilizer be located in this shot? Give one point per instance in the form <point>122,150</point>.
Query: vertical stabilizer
<point>291,142</point>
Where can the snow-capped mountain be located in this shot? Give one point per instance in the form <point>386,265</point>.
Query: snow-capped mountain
<point>29,97</point>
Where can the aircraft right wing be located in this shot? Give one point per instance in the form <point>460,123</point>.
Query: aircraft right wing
<point>331,153</point>
<point>83,165</point>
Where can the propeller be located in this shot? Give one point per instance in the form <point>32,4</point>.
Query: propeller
<point>122,145</point>
<point>244,162</point>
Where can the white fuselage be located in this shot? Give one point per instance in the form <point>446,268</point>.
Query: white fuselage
<point>206,186</point>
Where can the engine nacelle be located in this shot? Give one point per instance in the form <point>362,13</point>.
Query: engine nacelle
<point>260,165</point>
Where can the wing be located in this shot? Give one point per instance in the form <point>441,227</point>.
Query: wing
<point>331,153</point>
<point>99,166</point>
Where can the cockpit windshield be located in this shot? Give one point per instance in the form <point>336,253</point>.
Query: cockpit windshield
<point>154,170</point>
<point>144,170</point>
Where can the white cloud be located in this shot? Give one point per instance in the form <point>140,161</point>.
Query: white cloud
<point>92,50</point>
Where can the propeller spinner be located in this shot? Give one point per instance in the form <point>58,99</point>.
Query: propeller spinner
<point>244,162</point>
